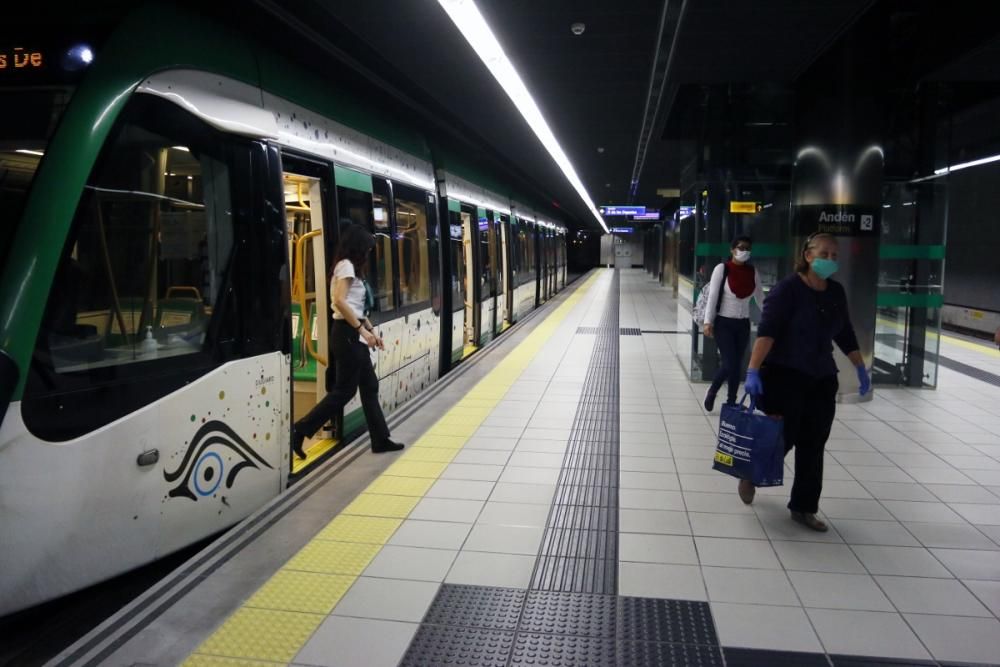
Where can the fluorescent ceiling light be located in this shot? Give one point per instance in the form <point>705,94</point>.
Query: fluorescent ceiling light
<point>966,165</point>
<point>466,17</point>
<point>28,151</point>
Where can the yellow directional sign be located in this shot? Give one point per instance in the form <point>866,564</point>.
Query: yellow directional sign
<point>744,207</point>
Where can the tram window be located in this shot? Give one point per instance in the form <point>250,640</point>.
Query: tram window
<point>528,248</point>
<point>514,252</point>
<point>457,260</point>
<point>412,248</point>
<point>145,270</point>
<point>496,235</point>
<point>380,263</point>
<point>27,120</point>
<point>487,286</point>
<point>365,209</point>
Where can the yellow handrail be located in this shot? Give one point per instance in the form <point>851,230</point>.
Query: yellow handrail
<point>300,281</point>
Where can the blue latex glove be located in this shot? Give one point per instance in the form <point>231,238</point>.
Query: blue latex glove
<point>753,385</point>
<point>863,380</point>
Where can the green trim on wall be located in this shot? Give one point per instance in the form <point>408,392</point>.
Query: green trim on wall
<point>911,252</point>
<point>454,205</point>
<point>904,300</point>
<point>761,250</point>
<point>355,180</point>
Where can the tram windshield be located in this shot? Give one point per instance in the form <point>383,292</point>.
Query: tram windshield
<point>28,117</point>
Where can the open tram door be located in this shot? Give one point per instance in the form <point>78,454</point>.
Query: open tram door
<point>470,281</point>
<point>508,229</point>
<point>309,242</point>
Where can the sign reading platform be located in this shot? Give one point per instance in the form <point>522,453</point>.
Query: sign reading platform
<point>614,209</point>
<point>842,220</point>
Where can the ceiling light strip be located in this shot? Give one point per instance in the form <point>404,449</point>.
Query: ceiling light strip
<point>466,17</point>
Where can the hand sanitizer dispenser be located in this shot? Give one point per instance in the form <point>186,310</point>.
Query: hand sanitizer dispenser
<point>149,345</point>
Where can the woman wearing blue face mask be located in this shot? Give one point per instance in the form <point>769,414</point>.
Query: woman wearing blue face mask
<point>792,371</point>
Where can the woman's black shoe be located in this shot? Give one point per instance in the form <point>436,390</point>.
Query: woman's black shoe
<point>387,446</point>
<point>297,441</point>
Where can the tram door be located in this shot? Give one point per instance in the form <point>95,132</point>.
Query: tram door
<point>508,229</point>
<point>499,249</point>
<point>487,275</point>
<point>303,189</point>
<point>470,291</point>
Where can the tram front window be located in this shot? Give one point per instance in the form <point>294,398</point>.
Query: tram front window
<point>151,242</point>
<point>28,117</point>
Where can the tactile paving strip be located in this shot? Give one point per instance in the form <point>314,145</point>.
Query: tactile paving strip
<point>675,621</point>
<point>562,651</point>
<point>652,654</point>
<point>477,606</point>
<point>437,645</point>
<point>561,613</point>
<point>579,550</point>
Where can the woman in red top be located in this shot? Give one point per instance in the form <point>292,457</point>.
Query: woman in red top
<point>727,315</point>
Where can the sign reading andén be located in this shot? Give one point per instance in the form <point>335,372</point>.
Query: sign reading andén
<point>843,220</point>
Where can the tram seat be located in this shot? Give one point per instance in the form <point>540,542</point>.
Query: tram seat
<point>303,370</point>
<point>182,316</point>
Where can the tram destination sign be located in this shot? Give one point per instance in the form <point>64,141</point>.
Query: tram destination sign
<point>20,58</point>
<point>617,210</point>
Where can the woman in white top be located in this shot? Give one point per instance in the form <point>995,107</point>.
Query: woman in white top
<point>727,315</point>
<point>352,337</point>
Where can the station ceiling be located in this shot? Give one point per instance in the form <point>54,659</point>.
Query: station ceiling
<point>592,88</point>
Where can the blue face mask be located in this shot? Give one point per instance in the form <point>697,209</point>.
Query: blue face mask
<point>824,268</point>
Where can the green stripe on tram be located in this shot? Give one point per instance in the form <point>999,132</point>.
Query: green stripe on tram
<point>355,180</point>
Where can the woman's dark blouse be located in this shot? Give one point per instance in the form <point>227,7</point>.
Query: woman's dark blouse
<point>804,323</point>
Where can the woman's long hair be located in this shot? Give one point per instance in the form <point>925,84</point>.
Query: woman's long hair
<point>355,245</point>
<point>801,265</point>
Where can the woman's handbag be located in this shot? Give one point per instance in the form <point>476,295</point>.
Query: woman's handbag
<point>750,445</point>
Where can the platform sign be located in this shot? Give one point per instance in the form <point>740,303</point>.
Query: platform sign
<point>616,210</point>
<point>744,207</point>
<point>622,230</point>
<point>652,215</point>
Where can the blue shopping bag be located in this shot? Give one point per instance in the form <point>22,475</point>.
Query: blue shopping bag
<point>750,445</point>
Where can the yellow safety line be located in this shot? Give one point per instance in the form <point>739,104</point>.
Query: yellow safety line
<point>273,625</point>
<point>982,348</point>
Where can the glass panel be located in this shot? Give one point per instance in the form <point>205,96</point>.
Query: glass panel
<point>495,237</point>
<point>153,236</point>
<point>380,271</point>
<point>458,296</point>
<point>412,251</point>
<point>486,285</point>
<point>27,120</point>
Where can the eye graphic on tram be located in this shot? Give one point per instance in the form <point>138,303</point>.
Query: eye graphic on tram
<point>216,451</point>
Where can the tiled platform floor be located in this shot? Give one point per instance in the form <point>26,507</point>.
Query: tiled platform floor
<point>910,569</point>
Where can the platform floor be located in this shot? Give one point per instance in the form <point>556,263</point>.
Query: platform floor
<point>556,506</point>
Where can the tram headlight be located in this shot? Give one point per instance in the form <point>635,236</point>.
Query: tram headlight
<point>77,57</point>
